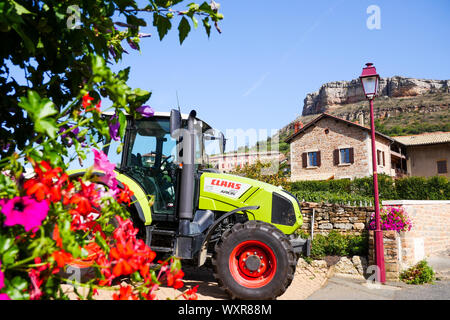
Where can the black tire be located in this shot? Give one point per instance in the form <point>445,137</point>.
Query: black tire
<point>228,257</point>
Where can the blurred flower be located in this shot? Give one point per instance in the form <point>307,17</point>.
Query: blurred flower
<point>114,126</point>
<point>2,277</point>
<point>86,100</point>
<point>146,111</point>
<point>102,163</point>
<point>25,211</point>
<point>191,294</point>
<point>4,296</point>
<point>125,293</point>
<point>132,44</point>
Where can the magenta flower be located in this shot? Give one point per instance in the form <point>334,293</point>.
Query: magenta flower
<point>2,277</point>
<point>25,211</point>
<point>102,163</point>
<point>3,296</point>
<point>114,126</point>
<point>146,111</point>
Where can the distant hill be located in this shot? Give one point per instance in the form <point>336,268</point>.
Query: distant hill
<point>404,105</point>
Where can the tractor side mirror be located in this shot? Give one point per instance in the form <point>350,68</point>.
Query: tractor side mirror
<point>175,121</point>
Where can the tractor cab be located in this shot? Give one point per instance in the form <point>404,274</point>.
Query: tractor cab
<point>152,156</point>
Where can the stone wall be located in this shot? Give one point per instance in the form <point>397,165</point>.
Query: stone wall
<point>392,263</point>
<point>430,232</point>
<point>327,217</point>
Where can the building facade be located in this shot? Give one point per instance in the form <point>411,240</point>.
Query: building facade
<point>333,148</point>
<point>428,153</point>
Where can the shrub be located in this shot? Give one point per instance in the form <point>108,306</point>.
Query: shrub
<point>318,246</point>
<point>361,189</point>
<point>418,274</point>
<point>337,244</point>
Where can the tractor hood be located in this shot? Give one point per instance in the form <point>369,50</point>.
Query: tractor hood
<point>225,192</point>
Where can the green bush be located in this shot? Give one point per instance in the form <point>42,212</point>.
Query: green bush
<point>361,189</point>
<point>418,274</point>
<point>337,244</point>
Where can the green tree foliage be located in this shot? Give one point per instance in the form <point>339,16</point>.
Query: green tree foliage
<point>63,48</point>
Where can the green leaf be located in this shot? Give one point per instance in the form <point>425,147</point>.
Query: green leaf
<point>15,288</point>
<point>207,26</point>
<point>183,29</point>
<point>162,23</point>
<point>123,124</point>
<point>20,9</point>
<point>40,111</point>
<point>124,74</point>
<point>101,242</point>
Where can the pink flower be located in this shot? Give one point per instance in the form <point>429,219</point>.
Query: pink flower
<point>102,163</point>
<point>25,211</point>
<point>35,292</point>
<point>2,277</point>
<point>4,296</point>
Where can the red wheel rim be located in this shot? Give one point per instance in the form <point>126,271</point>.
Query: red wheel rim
<point>252,264</point>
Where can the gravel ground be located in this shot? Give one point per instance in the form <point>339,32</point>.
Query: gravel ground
<point>306,281</point>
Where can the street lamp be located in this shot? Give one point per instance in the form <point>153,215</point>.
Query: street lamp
<point>370,79</point>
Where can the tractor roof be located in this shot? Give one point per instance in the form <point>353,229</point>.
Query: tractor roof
<point>161,114</point>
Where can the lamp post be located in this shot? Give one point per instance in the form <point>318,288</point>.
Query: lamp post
<point>369,79</point>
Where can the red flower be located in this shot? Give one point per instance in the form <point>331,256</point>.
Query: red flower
<point>125,195</point>
<point>48,182</point>
<point>62,257</point>
<point>125,293</point>
<point>191,294</point>
<point>174,279</point>
<point>86,100</point>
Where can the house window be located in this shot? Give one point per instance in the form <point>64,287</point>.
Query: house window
<point>345,155</point>
<point>311,159</point>
<point>380,158</point>
<point>442,166</point>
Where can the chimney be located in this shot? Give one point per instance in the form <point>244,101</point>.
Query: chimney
<point>361,119</point>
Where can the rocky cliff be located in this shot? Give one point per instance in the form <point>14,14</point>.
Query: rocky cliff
<point>333,94</point>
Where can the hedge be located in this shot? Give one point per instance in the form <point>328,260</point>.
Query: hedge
<point>361,189</point>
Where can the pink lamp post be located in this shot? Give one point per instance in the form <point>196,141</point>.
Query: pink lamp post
<point>369,79</point>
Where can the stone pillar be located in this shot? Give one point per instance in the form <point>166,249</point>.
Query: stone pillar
<point>391,253</point>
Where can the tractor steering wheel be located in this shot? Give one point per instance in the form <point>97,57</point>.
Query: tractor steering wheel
<point>164,163</point>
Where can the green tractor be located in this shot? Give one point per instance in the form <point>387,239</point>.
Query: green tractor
<point>184,209</point>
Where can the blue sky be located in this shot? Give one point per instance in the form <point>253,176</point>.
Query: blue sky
<point>271,54</point>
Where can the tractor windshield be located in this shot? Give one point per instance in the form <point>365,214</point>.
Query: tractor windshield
<point>150,156</point>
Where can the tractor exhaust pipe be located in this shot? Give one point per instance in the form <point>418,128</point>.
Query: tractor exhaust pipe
<point>186,202</point>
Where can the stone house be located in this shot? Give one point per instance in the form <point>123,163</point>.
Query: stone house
<point>428,153</point>
<point>329,147</point>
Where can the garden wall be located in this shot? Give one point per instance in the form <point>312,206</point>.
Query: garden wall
<point>342,218</point>
<point>430,232</point>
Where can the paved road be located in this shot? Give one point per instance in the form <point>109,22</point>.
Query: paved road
<point>339,288</point>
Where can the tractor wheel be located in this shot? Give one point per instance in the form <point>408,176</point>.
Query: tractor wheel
<point>254,261</point>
